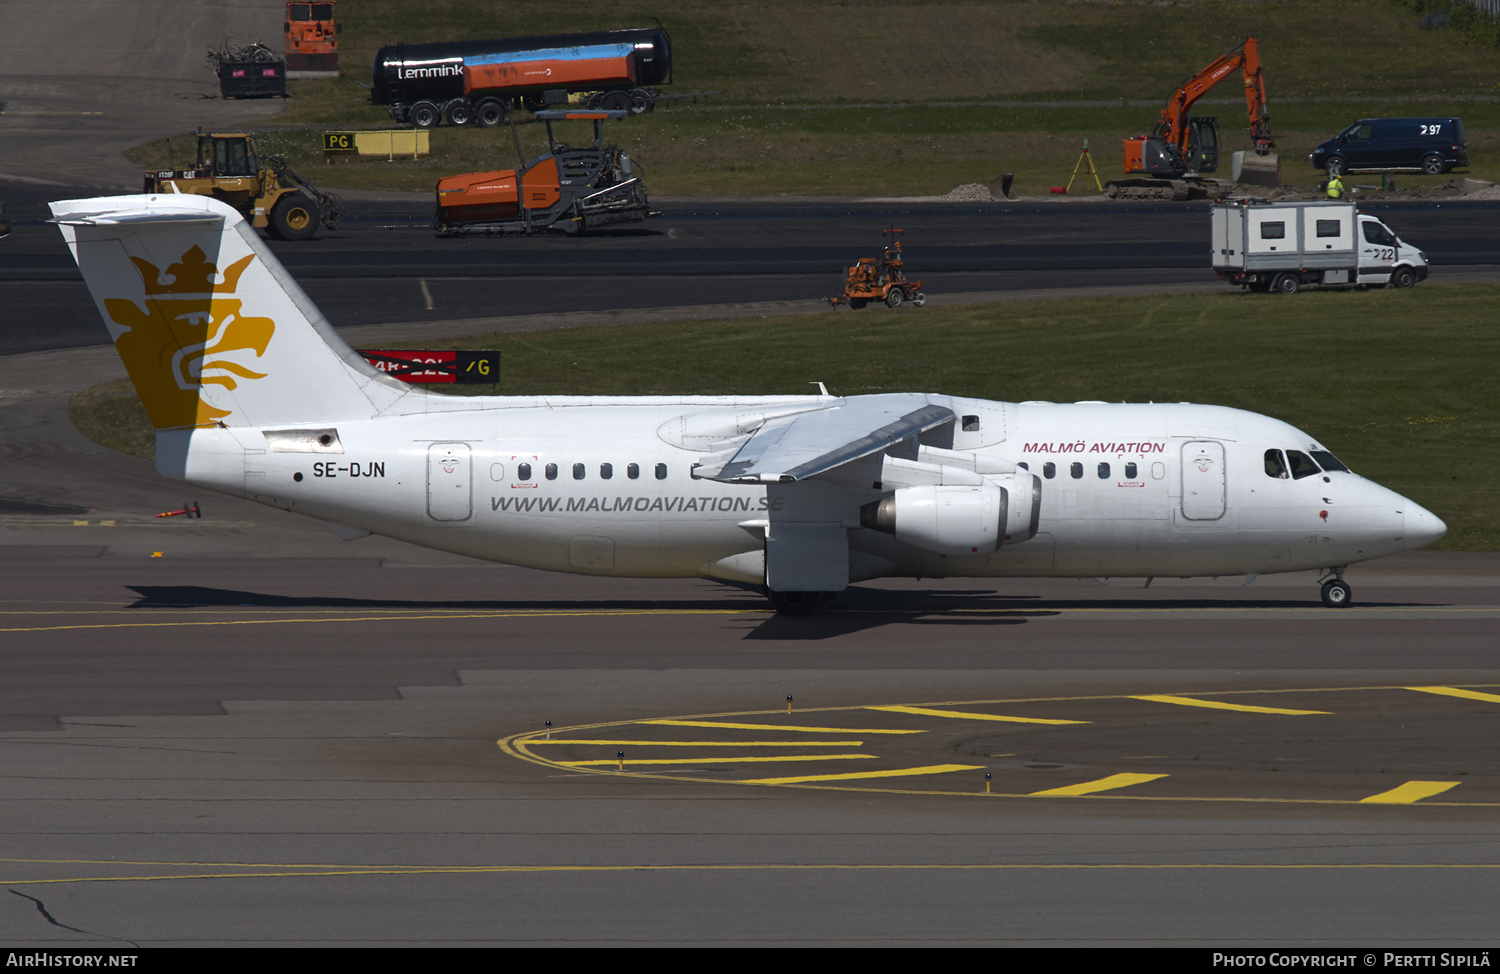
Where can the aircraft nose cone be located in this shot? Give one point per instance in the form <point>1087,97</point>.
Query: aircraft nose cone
<point>1422,526</point>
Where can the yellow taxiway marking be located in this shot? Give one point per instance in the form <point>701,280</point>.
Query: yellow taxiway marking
<point>1458,692</point>
<point>1219,705</point>
<point>520,614</point>
<point>796,758</point>
<point>775,727</point>
<point>285,870</point>
<point>1412,791</point>
<point>559,740</point>
<point>898,773</point>
<point>1103,784</point>
<point>963,715</point>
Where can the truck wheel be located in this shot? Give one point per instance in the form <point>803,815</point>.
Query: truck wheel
<point>1403,277</point>
<point>1433,165</point>
<point>617,101</point>
<point>855,304</point>
<point>1287,284</point>
<point>920,299</point>
<point>294,218</point>
<point>489,114</point>
<point>460,113</point>
<point>641,101</point>
<point>894,297</point>
<point>1337,167</point>
<point>424,115</point>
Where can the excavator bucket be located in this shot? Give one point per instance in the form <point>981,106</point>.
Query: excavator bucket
<point>1259,168</point>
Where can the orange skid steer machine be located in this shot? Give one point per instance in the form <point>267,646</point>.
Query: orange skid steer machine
<point>565,189</point>
<point>880,279</point>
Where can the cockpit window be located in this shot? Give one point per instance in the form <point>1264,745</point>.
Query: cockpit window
<point>1276,466</point>
<point>1328,461</point>
<point>1302,465</point>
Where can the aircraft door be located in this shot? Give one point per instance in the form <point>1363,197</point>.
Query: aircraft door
<point>1204,480</point>
<point>449,491</point>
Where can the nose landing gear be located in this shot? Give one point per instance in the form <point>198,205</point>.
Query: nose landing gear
<point>1336,592</point>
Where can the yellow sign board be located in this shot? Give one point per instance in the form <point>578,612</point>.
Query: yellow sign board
<point>389,144</point>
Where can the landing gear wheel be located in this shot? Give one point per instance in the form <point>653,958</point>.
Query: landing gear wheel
<point>617,101</point>
<point>794,603</point>
<point>894,297</point>
<point>459,113</point>
<point>424,115</point>
<point>489,114</point>
<point>1337,594</point>
<point>1337,167</point>
<point>294,218</point>
<point>1403,277</point>
<point>1433,165</point>
<point>920,299</point>
<point>1287,284</point>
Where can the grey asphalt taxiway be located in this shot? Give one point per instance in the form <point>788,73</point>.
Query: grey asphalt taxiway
<point>241,730</point>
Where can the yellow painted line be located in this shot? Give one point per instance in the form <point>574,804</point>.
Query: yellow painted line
<point>531,614</point>
<point>745,867</point>
<point>899,773</point>
<point>1103,784</point>
<point>962,715</point>
<point>1412,791</point>
<point>799,758</point>
<point>1458,692</point>
<point>776,727</point>
<point>559,740</point>
<point>1220,705</point>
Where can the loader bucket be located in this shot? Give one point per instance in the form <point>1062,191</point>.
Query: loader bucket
<point>1257,169</point>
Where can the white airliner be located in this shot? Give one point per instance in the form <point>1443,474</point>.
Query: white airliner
<point>252,393</point>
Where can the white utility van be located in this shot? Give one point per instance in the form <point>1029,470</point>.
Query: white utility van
<point>1282,246</point>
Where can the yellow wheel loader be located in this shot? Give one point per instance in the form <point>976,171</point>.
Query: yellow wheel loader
<point>269,193</point>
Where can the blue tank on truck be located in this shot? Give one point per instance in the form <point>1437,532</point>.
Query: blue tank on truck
<point>477,82</point>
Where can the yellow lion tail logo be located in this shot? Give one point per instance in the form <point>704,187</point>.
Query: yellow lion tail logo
<point>211,328</point>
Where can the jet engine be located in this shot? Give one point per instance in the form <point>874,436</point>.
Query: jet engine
<point>960,519</point>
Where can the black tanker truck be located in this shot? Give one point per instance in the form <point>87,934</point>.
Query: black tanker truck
<point>477,82</point>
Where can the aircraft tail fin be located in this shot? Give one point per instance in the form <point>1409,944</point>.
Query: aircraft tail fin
<point>212,329</point>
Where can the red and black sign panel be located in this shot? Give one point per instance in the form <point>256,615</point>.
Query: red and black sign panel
<point>465,367</point>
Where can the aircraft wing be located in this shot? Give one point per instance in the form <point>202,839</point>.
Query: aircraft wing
<point>794,448</point>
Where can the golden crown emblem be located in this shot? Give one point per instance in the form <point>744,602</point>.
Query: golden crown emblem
<point>191,277</point>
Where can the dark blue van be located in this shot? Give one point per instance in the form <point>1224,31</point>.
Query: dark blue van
<point>1429,145</point>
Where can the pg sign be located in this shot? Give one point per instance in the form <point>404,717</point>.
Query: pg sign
<point>338,142</point>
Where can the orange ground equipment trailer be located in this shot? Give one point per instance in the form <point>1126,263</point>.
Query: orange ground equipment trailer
<point>565,189</point>
<point>312,39</point>
<point>880,279</point>
<point>1170,163</point>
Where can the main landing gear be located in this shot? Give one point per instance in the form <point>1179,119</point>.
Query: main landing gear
<point>1336,592</point>
<point>796,603</point>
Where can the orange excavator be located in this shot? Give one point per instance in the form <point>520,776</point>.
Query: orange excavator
<point>1170,163</point>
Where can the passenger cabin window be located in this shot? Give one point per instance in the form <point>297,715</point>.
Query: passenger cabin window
<point>1076,471</point>
<point>579,471</point>
<point>1103,471</point>
<point>633,471</point>
<point>1130,471</point>
<point>1049,470</point>
<point>606,471</point>
<point>1329,228</point>
<point>523,471</point>
<point>1024,466</point>
<point>1302,465</point>
<point>661,471</point>
<point>551,471</point>
<point>1275,465</point>
<point>1275,230</point>
<point>1328,462</point>
<point>971,424</point>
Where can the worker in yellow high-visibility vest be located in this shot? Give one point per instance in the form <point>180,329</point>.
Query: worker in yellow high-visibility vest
<point>1336,188</point>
